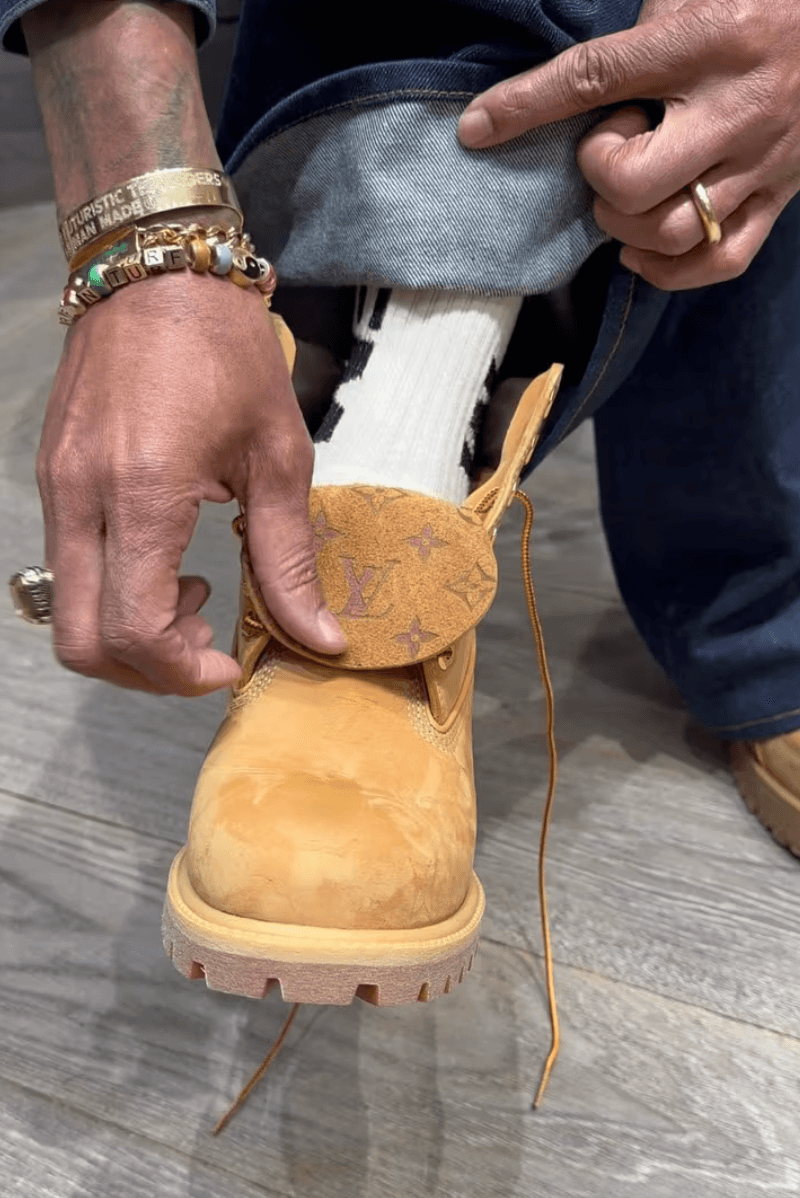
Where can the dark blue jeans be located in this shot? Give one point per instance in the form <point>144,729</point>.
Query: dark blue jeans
<point>341,133</point>
<point>696,402</point>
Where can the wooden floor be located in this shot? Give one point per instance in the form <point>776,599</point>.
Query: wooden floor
<point>676,920</point>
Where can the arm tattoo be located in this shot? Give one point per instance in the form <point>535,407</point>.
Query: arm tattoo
<point>119,92</point>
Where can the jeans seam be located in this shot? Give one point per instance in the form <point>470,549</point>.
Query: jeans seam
<point>767,719</point>
<point>606,363</point>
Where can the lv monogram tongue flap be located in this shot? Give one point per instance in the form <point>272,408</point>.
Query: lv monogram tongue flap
<point>405,574</point>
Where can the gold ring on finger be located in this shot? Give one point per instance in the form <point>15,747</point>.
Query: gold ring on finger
<point>705,210</point>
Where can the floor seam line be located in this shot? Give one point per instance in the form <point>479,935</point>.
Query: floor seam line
<point>684,1002</point>
<point>95,819</point>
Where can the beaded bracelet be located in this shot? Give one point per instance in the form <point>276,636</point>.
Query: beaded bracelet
<point>141,252</point>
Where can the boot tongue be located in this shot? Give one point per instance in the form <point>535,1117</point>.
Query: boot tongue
<point>518,446</point>
<point>405,574</point>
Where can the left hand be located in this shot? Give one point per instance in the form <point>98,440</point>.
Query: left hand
<point>728,72</point>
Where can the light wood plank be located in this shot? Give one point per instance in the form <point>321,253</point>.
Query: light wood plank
<point>654,859</point>
<point>49,1150</point>
<point>422,1100</point>
<point>675,917</point>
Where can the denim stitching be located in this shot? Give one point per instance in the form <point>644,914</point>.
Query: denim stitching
<point>767,719</point>
<point>605,364</point>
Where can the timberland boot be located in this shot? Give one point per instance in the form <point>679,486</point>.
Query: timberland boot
<point>767,773</point>
<point>332,832</point>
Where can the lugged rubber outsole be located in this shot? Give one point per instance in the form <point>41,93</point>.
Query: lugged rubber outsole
<point>777,808</point>
<point>317,965</point>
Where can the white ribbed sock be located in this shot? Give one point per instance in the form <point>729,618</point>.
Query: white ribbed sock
<point>410,405</point>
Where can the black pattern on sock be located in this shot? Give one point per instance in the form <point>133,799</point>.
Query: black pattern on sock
<point>381,304</point>
<point>470,447</point>
<point>357,362</point>
<point>332,418</point>
<point>490,382</point>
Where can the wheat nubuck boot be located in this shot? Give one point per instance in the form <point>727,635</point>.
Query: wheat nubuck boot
<point>332,832</point>
<point>767,773</point>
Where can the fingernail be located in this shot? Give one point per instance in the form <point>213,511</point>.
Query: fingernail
<point>329,627</point>
<point>475,126</point>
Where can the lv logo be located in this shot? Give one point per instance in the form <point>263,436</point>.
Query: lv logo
<point>364,590</point>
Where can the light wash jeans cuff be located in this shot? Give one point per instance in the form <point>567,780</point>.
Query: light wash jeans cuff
<point>380,191</point>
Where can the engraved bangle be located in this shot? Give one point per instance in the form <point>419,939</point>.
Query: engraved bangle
<point>156,192</point>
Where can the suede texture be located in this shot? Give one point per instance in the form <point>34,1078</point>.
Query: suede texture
<point>339,793</point>
<point>329,798</point>
<point>781,757</point>
<point>405,574</point>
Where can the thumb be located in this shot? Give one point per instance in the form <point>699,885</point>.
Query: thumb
<point>282,549</point>
<point>646,62</point>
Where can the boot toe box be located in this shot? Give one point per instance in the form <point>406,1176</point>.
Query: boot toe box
<point>328,852</point>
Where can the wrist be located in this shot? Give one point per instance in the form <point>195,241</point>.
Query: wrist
<point>141,111</point>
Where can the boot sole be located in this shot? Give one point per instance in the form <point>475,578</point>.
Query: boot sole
<point>766,796</point>
<point>317,965</point>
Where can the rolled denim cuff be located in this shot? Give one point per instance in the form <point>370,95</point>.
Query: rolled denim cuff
<point>381,191</point>
<point>13,39</point>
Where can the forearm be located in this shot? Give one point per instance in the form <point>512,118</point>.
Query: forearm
<point>119,92</point>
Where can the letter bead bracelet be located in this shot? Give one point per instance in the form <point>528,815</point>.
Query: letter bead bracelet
<point>137,253</point>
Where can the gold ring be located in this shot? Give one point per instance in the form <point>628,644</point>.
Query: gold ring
<point>705,210</point>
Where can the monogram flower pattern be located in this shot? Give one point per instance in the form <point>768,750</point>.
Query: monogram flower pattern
<point>424,541</point>
<point>378,497</point>
<point>323,531</point>
<point>472,587</point>
<point>414,638</point>
<point>405,573</point>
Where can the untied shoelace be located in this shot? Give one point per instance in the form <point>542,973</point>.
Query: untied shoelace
<point>547,686</point>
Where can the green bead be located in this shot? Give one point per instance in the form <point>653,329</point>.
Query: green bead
<point>96,281</point>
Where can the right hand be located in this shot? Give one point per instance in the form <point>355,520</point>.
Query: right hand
<point>169,392</point>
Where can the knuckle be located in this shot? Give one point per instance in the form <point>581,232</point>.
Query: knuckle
<point>618,178</point>
<point>624,189</point>
<point>588,73</point>
<point>140,477</point>
<point>297,568</point>
<point>81,655</point>
<point>288,565</point>
<point>739,28</point>
<point>291,463</point>
<point>59,471</point>
<point>675,238</point>
<point>120,639</point>
<point>732,264</point>
<point>511,101</point>
<point>42,472</point>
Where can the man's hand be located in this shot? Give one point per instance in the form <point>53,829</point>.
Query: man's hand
<point>172,391</point>
<point>728,72</point>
